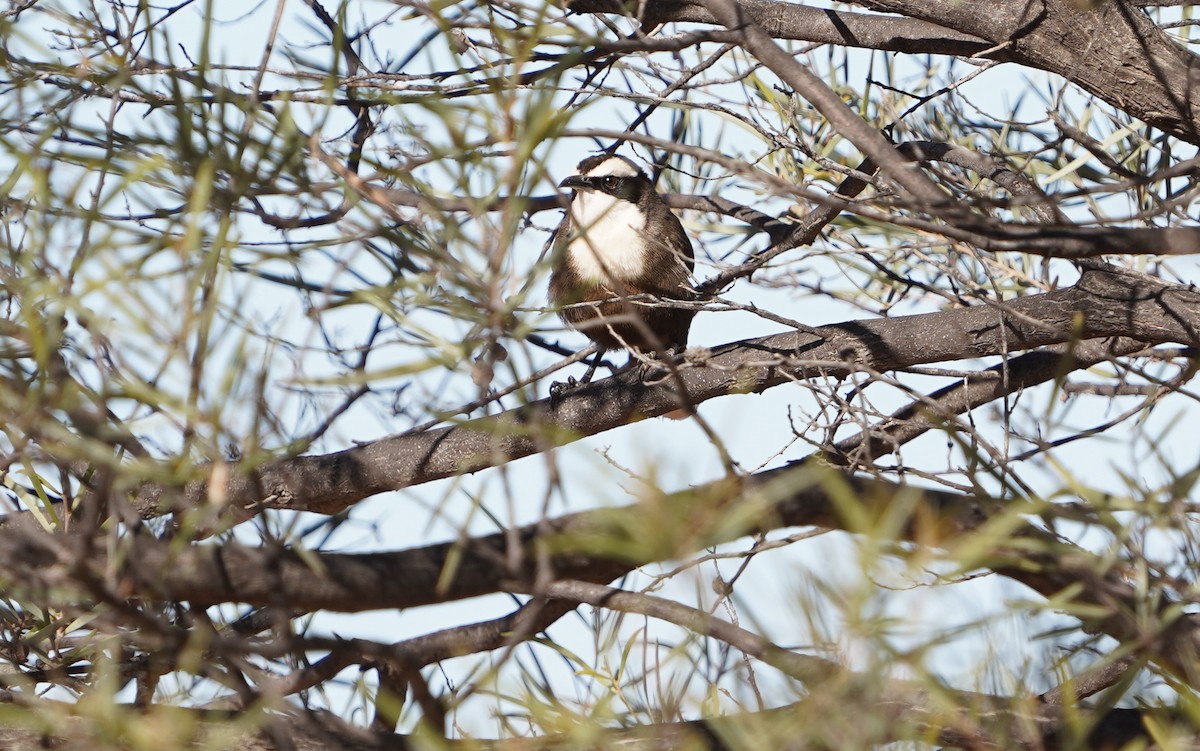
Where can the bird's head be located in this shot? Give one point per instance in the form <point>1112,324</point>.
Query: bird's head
<point>612,175</point>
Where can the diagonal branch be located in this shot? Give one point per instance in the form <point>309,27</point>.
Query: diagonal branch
<point>1105,302</point>
<point>940,407</point>
<point>919,188</point>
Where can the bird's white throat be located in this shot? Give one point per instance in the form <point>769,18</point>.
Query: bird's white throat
<point>608,242</point>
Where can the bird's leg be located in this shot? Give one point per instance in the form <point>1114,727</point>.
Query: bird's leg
<point>591,371</point>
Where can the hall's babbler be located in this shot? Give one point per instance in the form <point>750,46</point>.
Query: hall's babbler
<point>619,239</point>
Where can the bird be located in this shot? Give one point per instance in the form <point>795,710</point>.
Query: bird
<point>619,239</point>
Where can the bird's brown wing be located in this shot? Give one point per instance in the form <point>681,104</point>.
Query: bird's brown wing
<point>673,262</point>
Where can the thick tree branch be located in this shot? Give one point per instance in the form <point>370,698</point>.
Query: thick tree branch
<point>599,546</point>
<point>1106,302</point>
<point>573,545</point>
<point>1112,51</point>
<point>789,496</point>
<point>802,23</point>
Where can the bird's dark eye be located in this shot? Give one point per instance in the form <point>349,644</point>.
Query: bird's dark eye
<point>611,183</point>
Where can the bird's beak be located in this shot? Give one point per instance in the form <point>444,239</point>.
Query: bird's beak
<point>576,182</point>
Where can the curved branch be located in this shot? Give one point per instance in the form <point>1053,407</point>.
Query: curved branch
<point>802,23</point>
<point>1112,51</point>
<point>971,720</point>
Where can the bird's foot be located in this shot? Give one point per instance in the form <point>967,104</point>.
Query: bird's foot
<point>653,373</point>
<point>654,369</point>
<point>560,389</point>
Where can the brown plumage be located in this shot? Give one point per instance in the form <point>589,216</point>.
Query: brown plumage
<point>618,240</point>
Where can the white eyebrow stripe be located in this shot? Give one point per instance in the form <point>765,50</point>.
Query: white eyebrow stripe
<point>615,166</point>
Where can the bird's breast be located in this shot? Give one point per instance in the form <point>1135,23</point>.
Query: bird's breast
<point>607,242</point>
